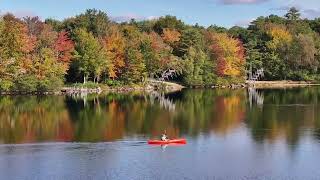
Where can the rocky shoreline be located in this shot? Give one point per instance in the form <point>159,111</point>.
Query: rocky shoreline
<point>166,87</point>
<point>231,86</point>
<point>280,84</point>
<point>262,85</point>
<point>62,91</point>
<point>75,90</point>
<point>153,86</point>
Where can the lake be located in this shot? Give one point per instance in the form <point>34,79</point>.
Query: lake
<point>231,134</point>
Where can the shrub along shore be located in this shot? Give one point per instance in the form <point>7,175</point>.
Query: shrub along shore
<point>41,56</point>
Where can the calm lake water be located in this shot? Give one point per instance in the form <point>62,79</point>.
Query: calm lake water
<point>232,134</point>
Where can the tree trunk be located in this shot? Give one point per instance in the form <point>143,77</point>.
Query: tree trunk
<point>98,79</point>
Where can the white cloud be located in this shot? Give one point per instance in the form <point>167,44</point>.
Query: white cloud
<point>311,13</point>
<point>244,23</point>
<point>21,13</point>
<point>129,17</point>
<point>308,8</point>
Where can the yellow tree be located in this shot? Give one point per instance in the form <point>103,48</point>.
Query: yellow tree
<point>229,54</point>
<point>15,47</point>
<point>114,44</point>
<point>280,36</point>
<point>170,36</point>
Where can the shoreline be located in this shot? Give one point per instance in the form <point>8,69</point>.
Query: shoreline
<point>280,84</point>
<point>67,90</point>
<point>166,87</point>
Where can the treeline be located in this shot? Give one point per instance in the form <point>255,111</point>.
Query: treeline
<point>40,56</point>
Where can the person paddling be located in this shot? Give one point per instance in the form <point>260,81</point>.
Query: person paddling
<point>164,137</point>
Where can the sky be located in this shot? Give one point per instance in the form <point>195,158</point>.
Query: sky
<point>225,13</point>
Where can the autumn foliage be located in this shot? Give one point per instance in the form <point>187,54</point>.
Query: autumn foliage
<point>229,53</point>
<point>114,45</point>
<point>170,35</point>
<point>64,47</point>
<point>279,34</point>
<point>89,47</point>
<point>32,55</point>
<point>37,55</point>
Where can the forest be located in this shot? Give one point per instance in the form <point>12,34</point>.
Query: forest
<point>42,55</point>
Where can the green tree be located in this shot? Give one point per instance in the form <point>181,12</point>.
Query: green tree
<point>190,38</point>
<point>168,22</point>
<point>55,24</point>
<point>217,29</point>
<point>315,25</point>
<point>135,68</point>
<point>302,59</point>
<point>240,33</point>
<point>93,21</point>
<point>90,58</point>
<point>293,14</point>
<point>194,61</point>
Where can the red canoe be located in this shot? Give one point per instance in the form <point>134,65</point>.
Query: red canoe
<point>171,141</point>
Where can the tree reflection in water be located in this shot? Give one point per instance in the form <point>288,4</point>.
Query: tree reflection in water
<point>286,114</point>
<point>161,99</point>
<point>255,97</point>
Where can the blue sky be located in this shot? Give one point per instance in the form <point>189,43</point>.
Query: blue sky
<point>205,12</point>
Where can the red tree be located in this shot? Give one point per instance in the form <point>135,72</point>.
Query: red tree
<point>64,46</point>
